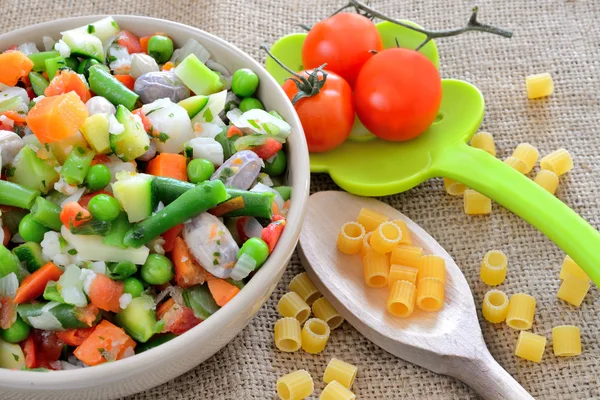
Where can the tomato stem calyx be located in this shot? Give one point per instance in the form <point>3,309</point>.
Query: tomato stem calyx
<point>307,87</point>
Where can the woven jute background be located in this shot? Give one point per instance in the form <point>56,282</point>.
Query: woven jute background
<point>558,36</point>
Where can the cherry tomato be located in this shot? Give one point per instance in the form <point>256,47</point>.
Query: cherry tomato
<point>398,93</point>
<point>327,116</point>
<point>343,41</point>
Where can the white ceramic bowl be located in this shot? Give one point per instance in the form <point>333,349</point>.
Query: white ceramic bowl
<point>179,355</point>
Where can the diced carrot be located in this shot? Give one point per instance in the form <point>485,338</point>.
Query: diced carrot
<point>74,214</point>
<point>126,80</point>
<point>169,237</point>
<point>168,66</point>
<point>130,41</point>
<point>29,350</point>
<point>104,293</point>
<point>268,149</point>
<point>168,165</point>
<point>237,203</point>
<point>17,118</point>
<point>67,81</point>
<point>101,159</point>
<point>272,232</point>
<point>85,199</point>
<point>88,314</point>
<point>222,291</point>
<point>7,235</point>
<point>145,121</point>
<point>164,307</point>
<point>144,43</point>
<point>58,117</point>
<point>13,66</point>
<point>187,271</point>
<point>74,337</point>
<point>234,131</point>
<point>107,342</point>
<point>33,285</point>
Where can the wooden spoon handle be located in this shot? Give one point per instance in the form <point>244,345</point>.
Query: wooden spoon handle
<point>488,378</point>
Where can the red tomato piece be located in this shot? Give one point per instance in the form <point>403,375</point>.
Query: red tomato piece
<point>268,149</point>
<point>272,233</point>
<point>130,41</point>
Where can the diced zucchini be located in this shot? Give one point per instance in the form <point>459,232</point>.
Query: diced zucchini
<point>199,299</point>
<point>104,29</point>
<point>95,131</point>
<point>84,44</point>
<point>38,83</point>
<point>193,105</point>
<point>30,253</point>
<point>11,356</point>
<point>31,171</point>
<point>215,104</point>
<point>133,141</point>
<point>198,77</point>
<point>139,318</point>
<point>134,193</point>
<point>62,148</point>
<point>51,293</point>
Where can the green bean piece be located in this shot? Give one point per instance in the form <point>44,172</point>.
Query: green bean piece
<point>32,231</point>
<point>72,62</point>
<point>13,194</point>
<point>228,144</point>
<point>255,204</point>
<point>98,177</point>
<point>39,59</point>
<point>157,270</point>
<point>284,191</point>
<point>244,82</point>
<point>200,170</point>
<point>276,166</point>
<point>53,65</point>
<point>84,66</point>
<point>256,248</point>
<point>118,229</point>
<point>104,207</point>
<point>46,213</point>
<point>38,83</point>
<point>69,316</point>
<point>160,48</point>
<point>17,332</point>
<point>76,165</point>
<point>251,103</point>
<point>133,286</point>
<point>104,84</point>
<point>121,270</point>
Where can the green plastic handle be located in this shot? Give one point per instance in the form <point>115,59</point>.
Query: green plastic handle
<point>513,190</point>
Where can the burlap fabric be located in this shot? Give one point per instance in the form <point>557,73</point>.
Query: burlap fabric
<point>558,36</point>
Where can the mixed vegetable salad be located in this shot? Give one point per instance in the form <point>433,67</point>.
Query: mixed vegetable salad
<point>140,190</point>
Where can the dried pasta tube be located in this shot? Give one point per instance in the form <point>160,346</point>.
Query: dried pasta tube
<point>340,371</point>
<point>406,236</point>
<point>432,266</point>
<point>566,340</point>
<point>521,309</point>
<point>302,285</point>
<point>454,188</point>
<point>407,255</point>
<point>539,85</point>
<point>366,245</point>
<point>315,334</point>
<point>493,267</point>
<point>485,142</point>
<point>559,161</point>
<point>402,273</point>
<point>495,306</point>
<point>291,305</point>
<point>547,179</point>
<point>476,203</point>
<point>401,300</point>
<point>430,294</point>
<point>322,309</point>
<point>516,164</point>
<point>296,385</point>
<point>288,336</point>
<point>573,289</point>
<point>528,154</point>
<point>350,238</point>
<point>376,269</point>
<point>530,346</point>
<point>371,219</point>
<point>386,237</point>
<point>336,391</point>
<point>570,267</point>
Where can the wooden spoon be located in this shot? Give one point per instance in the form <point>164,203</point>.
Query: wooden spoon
<point>448,342</point>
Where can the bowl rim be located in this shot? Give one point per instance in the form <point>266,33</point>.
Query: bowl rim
<point>300,175</point>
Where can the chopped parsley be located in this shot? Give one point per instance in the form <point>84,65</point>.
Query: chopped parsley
<point>151,111</point>
<point>208,115</point>
<point>10,172</point>
<point>217,254</point>
<point>215,262</point>
<point>91,29</point>
<point>189,152</point>
<point>163,137</point>
<point>16,357</point>
<point>72,252</point>
<point>171,115</point>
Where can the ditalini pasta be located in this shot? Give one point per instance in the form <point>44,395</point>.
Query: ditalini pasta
<point>495,306</point>
<point>340,371</point>
<point>376,269</point>
<point>570,267</point>
<point>559,161</point>
<point>493,267</point>
<point>371,219</point>
<point>366,246</point>
<point>566,340</point>
<point>548,180</point>
<point>292,305</point>
<point>573,289</point>
<point>454,188</point>
<point>336,391</point>
<point>476,204</point>
<point>302,285</point>
<point>401,300</point>
<point>386,237</point>
<point>521,309</point>
<point>484,141</point>
<point>516,164</point>
<point>350,238</point>
<point>315,334</point>
<point>528,154</point>
<point>432,266</point>
<point>540,85</point>
<point>402,273</point>
<point>322,309</point>
<point>407,255</point>
<point>406,236</point>
<point>288,336</point>
<point>530,346</point>
<point>430,294</point>
<point>296,385</point>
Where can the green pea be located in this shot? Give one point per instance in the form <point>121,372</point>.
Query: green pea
<point>32,231</point>
<point>200,170</point>
<point>277,166</point>
<point>133,286</point>
<point>244,82</point>
<point>250,103</point>
<point>98,177</point>
<point>18,331</point>
<point>157,270</point>
<point>104,207</point>
<point>257,249</point>
<point>160,48</point>
<point>122,270</point>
